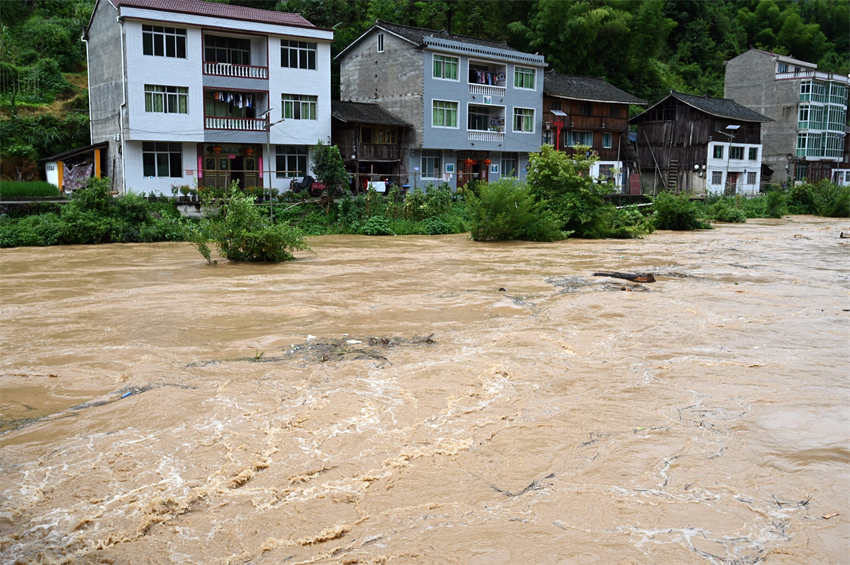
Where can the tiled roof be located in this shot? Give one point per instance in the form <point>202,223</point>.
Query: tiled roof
<point>720,107</point>
<point>200,8</point>
<point>586,88</point>
<point>417,35</point>
<point>363,113</point>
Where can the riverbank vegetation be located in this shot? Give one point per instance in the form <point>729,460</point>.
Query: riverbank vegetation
<point>551,206</point>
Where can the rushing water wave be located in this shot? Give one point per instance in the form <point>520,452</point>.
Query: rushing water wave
<point>431,400</point>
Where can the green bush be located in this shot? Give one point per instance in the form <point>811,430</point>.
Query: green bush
<point>628,222</point>
<point>243,232</point>
<point>776,204</point>
<point>725,210</point>
<point>435,226</point>
<point>677,213</point>
<point>822,199</point>
<point>25,190</point>
<point>377,225</point>
<point>506,210</point>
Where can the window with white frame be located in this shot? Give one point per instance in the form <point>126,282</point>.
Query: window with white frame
<point>445,67</point>
<point>716,178</point>
<point>297,54</point>
<point>510,165</point>
<point>291,161</point>
<point>579,138</point>
<point>718,152</point>
<point>444,114</point>
<point>380,43</point>
<point>754,154</point>
<point>432,164</point>
<point>606,173</point>
<point>736,152</point>
<point>607,141</point>
<point>162,41</point>
<point>751,178</point>
<point>162,159</point>
<point>524,120</point>
<point>299,106</point>
<point>166,99</point>
<point>524,77</point>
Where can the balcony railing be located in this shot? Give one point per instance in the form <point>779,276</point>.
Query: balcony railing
<point>238,71</point>
<point>486,136</point>
<point>814,74</point>
<point>235,124</point>
<point>481,90</point>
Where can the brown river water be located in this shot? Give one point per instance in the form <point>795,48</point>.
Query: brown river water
<point>431,400</point>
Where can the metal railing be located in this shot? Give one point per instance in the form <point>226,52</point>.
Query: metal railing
<point>238,71</point>
<point>814,74</point>
<point>235,124</point>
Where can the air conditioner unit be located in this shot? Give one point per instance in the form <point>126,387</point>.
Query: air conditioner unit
<point>488,99</point>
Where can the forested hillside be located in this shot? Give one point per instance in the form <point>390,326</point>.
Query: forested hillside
<point>645,47</point>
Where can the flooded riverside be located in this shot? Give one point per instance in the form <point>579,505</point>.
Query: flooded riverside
<point>431,400</point>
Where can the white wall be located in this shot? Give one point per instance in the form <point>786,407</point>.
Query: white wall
<point>726,165</point>
<point>300,81</point>
<point>618,170</point>
<point>134,171</point>
<point>168,71</point>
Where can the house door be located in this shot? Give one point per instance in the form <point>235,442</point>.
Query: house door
<point>216,171</point>
<point>731,183</point>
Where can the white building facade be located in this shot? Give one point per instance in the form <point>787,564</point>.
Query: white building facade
<point>733,167</point>
<point>190,93</point>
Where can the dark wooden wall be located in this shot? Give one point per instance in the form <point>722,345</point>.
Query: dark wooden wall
<point>597,117</point>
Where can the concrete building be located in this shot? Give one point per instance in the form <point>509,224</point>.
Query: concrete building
<point>475,106</point>
<point>189,92</point>
<point>807,138</point>
<point>699,145</point>
<point>589,112</point>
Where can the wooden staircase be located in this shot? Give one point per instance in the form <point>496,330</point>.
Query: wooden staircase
<point>671,182</point>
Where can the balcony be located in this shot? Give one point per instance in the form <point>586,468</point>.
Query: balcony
<point>235,124</point>
<point>815,75</point>
<point>236,71</point>
<point>479,91</point>
<point>486,136</point>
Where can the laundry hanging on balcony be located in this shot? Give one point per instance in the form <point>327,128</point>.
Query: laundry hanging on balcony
<point>235,99</point>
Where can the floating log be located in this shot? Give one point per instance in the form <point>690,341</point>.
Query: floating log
<point>634,277</point>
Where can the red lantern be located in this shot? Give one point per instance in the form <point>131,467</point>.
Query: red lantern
<point>469,162</point>
<point>486,161</point>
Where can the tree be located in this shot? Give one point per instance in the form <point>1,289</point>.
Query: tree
<point>329,168</point>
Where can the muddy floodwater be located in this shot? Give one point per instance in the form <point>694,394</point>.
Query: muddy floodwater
<point>431,400</point>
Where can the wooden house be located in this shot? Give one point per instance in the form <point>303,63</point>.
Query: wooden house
<point>370,141</point>
<point>589,112</point>
<point>698,144</point>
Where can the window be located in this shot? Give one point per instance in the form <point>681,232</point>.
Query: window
<point>167,99</point>
<point>380,43</point>
<point>524,77</point>
<point>444,114</point>
<point>782,68</point>
<point>718,152</point>
<point>751,178</point>
<point>586,109</point>
<point>291,161</point>
<point>801,171</point>
<point>607,141</point>
<point>555,106</point>
<point>164,41</point>
<point>606,173</point>
<point>579,138</point>
<point>524,120</point>
<point>432,164</point>
<point>227,50</point>
<point>445,67</point>
<point>736,152</point>
<point>510,165</point>
<point>297,54</point>
<point>754,154</point>
<point>716,178</point>
<point>162,159</point>
<point>299,106</point>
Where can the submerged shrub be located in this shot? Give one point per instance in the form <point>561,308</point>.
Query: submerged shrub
<point>677,213</point>
<point>377,225</point>
<point>725,210</point>
<point>506,210</point>
<point>777,204</point>
<point>243,233</point>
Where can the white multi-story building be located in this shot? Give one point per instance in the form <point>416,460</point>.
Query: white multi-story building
<point>188,92</point>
